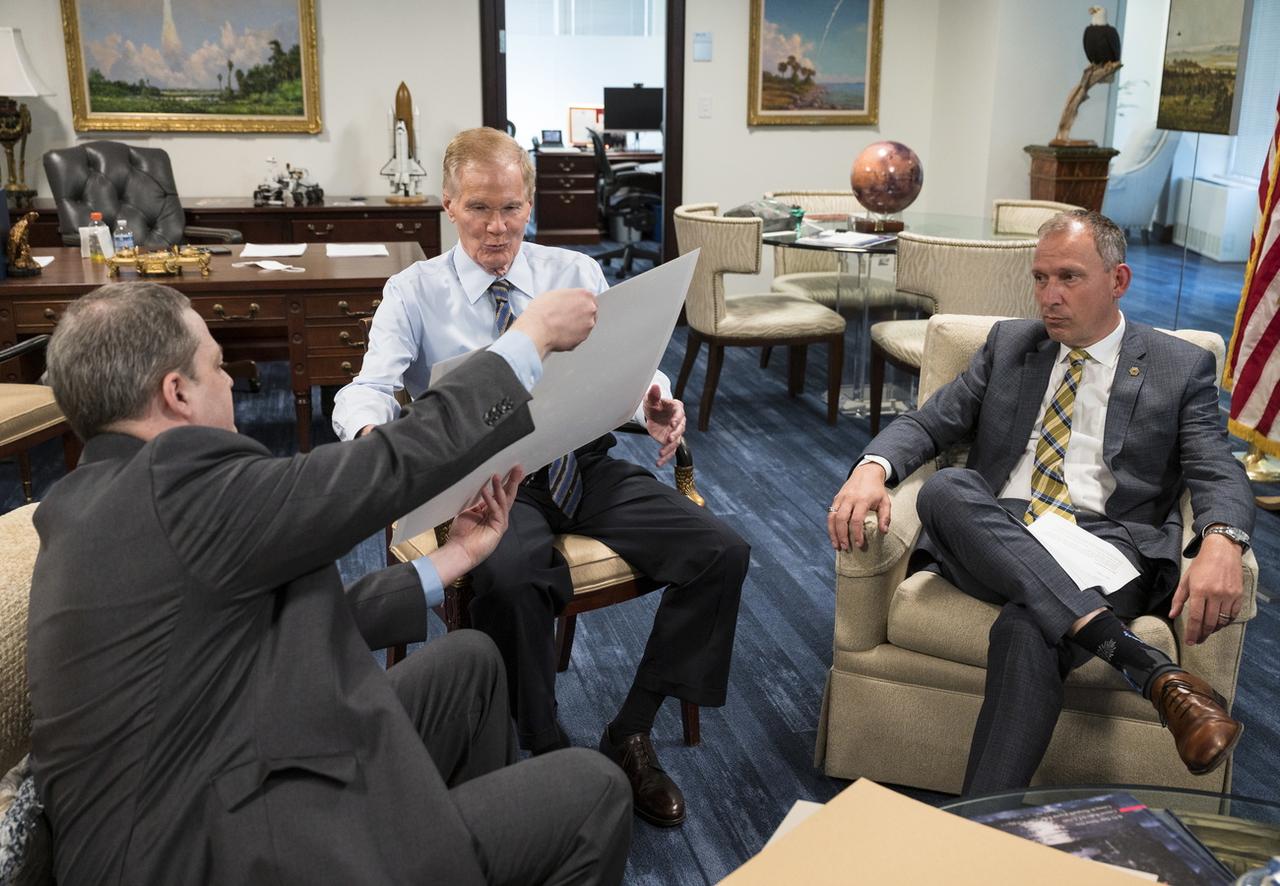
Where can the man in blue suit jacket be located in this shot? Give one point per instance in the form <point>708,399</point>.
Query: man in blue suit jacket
<point>1102,422</point>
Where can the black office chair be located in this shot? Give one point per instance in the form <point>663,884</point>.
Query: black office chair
<point>123,181</point>
<point>634,197</point>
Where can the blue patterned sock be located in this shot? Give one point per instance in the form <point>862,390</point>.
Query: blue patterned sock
<point>1106,637</point>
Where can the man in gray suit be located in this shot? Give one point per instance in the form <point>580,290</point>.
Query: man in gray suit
<point>205,705</point>
<point>1102,422</point>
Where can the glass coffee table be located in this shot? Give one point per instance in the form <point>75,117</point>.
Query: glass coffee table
<point>1242,832</point>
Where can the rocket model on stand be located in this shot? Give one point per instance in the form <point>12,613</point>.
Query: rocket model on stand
<point>403,169</point>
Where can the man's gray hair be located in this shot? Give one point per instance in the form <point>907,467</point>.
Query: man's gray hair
<point>1108,239</point>
<point>484,145</point>
<point>113,347</point>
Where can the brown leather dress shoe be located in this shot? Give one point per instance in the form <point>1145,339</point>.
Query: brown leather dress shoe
<point>1203,731</point>
<point>657,798</point>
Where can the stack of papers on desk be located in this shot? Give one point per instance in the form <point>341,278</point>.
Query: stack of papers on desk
<point>348,250</point>
<point>847,239</point>
<point>272,250</point>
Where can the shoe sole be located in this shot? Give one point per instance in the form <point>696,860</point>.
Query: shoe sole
<point>1222,756</point>
<point>658,822</point>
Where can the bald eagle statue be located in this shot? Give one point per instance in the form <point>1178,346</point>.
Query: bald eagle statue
<point>1101,42</point>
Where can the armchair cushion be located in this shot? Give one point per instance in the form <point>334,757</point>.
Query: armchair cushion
<point>901,339</point>
<point>25,410</point>
<point>593,564</point>
<point>777,316</point>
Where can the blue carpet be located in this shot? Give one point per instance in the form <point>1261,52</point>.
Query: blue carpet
<point>769,465</point>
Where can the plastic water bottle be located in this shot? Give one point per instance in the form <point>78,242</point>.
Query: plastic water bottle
<point>97,233</point>
<point>122,239</point>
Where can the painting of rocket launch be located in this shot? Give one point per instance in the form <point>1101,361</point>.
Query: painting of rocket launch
<point>175,65</point>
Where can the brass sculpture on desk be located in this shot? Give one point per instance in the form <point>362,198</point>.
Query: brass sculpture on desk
<point>21,264</point>
<point>161,263</point>
<point>403,169</point>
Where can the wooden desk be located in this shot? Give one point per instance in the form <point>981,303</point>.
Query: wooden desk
<point>373,220</point>
<point>311,317</point>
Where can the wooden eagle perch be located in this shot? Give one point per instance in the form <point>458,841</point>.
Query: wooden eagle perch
<point>1102,49</point>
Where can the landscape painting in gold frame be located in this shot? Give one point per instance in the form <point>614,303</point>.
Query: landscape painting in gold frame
<point>192,66</point>
<point>815,63</point>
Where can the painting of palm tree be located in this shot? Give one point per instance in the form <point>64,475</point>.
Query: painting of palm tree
<point>815,62</point>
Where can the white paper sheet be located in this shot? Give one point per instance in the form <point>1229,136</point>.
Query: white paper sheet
<point>349,250</point>
<point>267,265</point>
<point>847,239</point>
<point>43,260</point>
<point>1089,560</point>
<point>270,250</point>
<point>586,392</point>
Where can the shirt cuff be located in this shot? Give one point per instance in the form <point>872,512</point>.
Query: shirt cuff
<point>432,588</point>
<point>882,462</point>
<point>517,349</point>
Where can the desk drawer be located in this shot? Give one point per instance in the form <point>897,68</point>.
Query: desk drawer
<point>340,337</point>
<point>357,230</point>
<point>350,307</point>
<point>556,164</point>
<point>239,308</point>
<point>567,209</point>
<point>333,370</point>
<point>566,183</point>
<point>38,316</point>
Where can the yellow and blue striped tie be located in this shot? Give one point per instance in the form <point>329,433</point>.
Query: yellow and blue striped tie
<point>1048,479</point>
<point>563,477</point>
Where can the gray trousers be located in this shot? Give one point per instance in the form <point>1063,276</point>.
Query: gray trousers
<point>564,818</point>
<point>980,545</point>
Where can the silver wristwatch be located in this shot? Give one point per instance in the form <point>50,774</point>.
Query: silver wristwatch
<point>1239,536</point>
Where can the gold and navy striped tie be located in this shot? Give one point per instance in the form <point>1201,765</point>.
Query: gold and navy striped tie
<point>563,477</point>
<point>1048,478</point>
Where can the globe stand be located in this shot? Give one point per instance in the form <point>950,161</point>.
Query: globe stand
<point>878,224</point>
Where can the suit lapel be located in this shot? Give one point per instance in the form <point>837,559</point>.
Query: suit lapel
<point>1130,371</point>
<point>1037,366</point>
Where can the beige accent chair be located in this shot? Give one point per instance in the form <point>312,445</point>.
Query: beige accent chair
<point>1024,216</point>
<point>18,547</point>
<point>991,277</point>
<point>733,245</point>
<point>29,416</point>
<point>908,670</point>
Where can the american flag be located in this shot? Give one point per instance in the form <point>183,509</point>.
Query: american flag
<point>1253,366</point>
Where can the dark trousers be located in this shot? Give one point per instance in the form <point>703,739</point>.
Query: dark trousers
<point>524,585</point>
<point>980,545</point>
<point>563,818</point>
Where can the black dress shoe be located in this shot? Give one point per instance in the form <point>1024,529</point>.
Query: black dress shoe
<point>657,798</point>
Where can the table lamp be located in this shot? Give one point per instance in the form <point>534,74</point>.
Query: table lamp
<point>18,79</point>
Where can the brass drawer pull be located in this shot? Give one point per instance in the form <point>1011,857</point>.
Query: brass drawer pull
<point>346,309</point>
<point>417,226</point>
<point>566,166</point>
<point>346,367</point>
<point>328,229</point>
<point>50,314</point>
<point>566,183</point>
<point>345,338</point>
<point>568,198</point>
<point>221,313</point>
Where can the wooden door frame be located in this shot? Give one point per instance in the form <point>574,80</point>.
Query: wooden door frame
<point>493,90</point>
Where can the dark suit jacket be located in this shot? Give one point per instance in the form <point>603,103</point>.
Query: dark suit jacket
<point>1163,432</point>
<point>206,706</point>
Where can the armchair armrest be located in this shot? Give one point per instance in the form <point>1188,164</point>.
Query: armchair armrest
<point>684,464</point>
<point>866,580</point>
<point>198,234</point>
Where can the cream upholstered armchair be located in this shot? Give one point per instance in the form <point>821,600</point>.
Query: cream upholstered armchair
<point>733,245</point>
<point>1024,216</point>
<point>909,662</point>
<point>1138,177</point>
<point>991,277</point>
<point>29,416</point>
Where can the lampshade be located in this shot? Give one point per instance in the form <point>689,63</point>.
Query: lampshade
<point>18,77</point>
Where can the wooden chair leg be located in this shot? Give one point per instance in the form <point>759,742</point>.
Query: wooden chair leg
<point>693,344</point>
<point>689,719</point>
<point>764,356</point>
<point>565,626</point>
<point>715,360</point>
<point>835,371</point>
<point>24,469</point>
<point>396,654</point>
<point>796,358</point>
<point>71,449</point>
<point>877,386</point>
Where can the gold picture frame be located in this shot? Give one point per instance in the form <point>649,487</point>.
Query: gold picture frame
<point>144,88</point>
<point>833,61</point>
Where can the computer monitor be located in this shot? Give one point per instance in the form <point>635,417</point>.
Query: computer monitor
<point>632,108</point>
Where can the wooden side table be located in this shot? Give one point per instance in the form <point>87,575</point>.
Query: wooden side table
<point>1074,174</point>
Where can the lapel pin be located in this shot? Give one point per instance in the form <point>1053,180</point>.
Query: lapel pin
<point>1133,370</point>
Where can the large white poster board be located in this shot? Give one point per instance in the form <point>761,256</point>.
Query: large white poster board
<point>586,392</point>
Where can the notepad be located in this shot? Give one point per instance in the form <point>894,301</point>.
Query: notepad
<point>349,250</point>
<point>272,250</point>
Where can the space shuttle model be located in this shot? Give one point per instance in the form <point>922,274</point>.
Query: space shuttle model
<point>403,169</point>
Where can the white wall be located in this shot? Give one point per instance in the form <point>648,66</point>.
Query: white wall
<point>365,50</point>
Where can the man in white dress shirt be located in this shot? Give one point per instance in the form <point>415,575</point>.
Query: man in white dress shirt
<point>1100,421</point>
<point>463,300</point>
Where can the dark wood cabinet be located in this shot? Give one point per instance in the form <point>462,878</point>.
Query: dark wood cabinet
<point>565,199</point>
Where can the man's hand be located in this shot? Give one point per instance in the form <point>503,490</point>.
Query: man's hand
<point>559,320</point>
<point>864,491</point>
<point>665,420</point>
<point>476,531</point>
<point>365,430</point>
<point>1211,590</point>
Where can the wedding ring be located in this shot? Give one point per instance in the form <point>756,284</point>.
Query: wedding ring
<point>832,509</point>
<point>1223,618</point>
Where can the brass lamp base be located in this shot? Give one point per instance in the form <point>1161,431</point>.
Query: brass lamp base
<point>15,124</point>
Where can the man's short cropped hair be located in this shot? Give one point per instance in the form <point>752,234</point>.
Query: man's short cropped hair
<point>485,145</point>
<point>113,347</point>
<point>1108,239</point>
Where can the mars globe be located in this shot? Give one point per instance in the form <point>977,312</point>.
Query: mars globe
<point>886,177</point>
